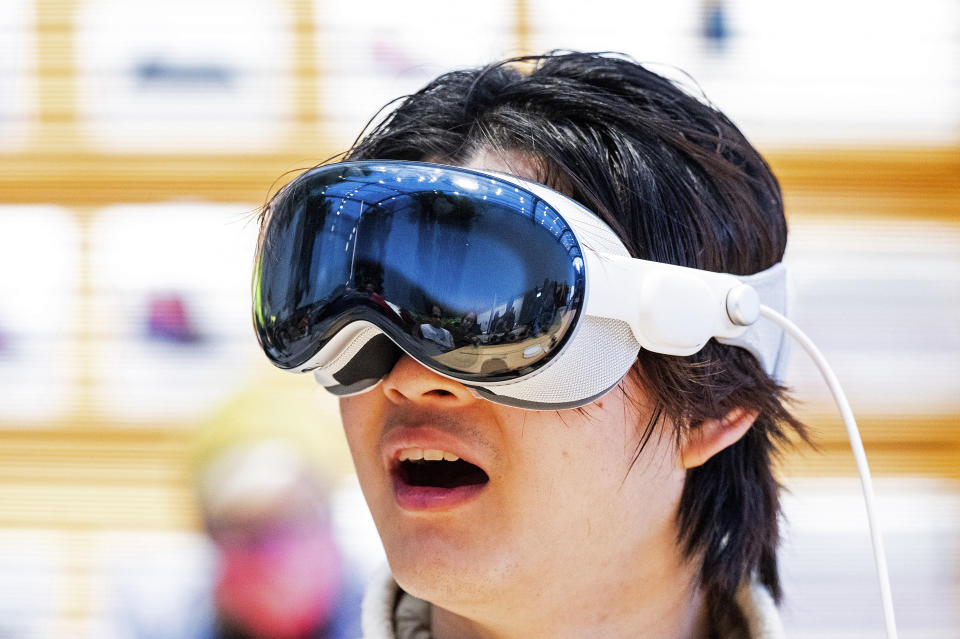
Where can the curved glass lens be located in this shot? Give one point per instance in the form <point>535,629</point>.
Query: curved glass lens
<point>472,275</point>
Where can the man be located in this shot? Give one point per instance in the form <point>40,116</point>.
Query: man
<point>434,330</point>
<point>649,510</point>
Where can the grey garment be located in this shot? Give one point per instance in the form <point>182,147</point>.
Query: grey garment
<point>390,613</point>
<point>412,618</point>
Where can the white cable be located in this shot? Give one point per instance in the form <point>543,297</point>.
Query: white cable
<point>858,454</point>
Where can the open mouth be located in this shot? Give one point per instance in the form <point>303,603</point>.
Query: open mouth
<point>437,469</point>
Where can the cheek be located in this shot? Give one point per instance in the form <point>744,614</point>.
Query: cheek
<point>587,461</point>
<point>577,486</point>
<point>357,413</point>
<point>566,461</point>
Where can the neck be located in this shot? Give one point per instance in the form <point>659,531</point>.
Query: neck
<point>662,607</point>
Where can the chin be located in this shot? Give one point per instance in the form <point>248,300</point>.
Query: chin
<point>431,582</point>
<point>450,578</point>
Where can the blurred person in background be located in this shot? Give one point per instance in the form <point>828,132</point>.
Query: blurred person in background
<point>651,512</point>
<point>274,570</point>
<point>280,572</point>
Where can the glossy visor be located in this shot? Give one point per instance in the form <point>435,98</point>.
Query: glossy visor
<point>472,275</point>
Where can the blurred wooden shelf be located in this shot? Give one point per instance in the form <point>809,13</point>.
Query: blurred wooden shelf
<point>105,477</point>
<point>80,179</point>
<point>901,181</point>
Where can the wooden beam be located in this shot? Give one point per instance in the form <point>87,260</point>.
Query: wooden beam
<point>922,179</point>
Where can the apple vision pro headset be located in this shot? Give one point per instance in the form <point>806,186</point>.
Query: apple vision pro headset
<point>359,263</point>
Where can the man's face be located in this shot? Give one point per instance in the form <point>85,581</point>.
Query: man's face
<point>564,501</point>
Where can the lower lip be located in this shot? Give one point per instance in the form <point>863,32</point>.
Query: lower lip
<point>424,498</point>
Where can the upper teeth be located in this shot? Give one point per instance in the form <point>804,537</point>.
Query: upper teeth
<point>429,454</point>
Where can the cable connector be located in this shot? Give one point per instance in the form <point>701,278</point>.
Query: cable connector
<point>743,305</point>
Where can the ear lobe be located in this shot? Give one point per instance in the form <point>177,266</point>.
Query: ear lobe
<point>714,435</point>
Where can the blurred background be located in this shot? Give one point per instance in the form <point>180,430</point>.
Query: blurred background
<point>138,138</point>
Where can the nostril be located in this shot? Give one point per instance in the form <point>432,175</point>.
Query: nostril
<point>394,394</point>
<point>397,395</point>
<point>411,381</point>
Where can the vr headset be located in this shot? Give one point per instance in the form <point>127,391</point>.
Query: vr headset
<point>502,284</point>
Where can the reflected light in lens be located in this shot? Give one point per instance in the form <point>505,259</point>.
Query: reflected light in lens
<point>467,183</point>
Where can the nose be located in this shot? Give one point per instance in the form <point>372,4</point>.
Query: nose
<point>411,381</point>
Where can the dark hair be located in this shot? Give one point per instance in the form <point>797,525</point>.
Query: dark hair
<point>679,183</point>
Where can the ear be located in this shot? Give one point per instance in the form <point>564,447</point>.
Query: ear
<point>714,435</point>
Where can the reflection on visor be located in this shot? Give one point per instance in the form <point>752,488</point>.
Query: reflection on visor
<point>471,275</point>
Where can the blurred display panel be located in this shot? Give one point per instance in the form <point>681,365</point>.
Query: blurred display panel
<point>184,76</point>
<point>34,582</point>
<point>151,580</point>
<point>789,73</point>
<point>392,51</point>
<point>826,560</point>
<point>16,81</point>
<point>882,301</point>
<point>39,257</point>
<point>171,307</point>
